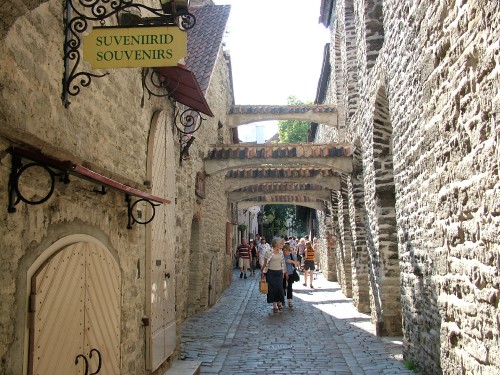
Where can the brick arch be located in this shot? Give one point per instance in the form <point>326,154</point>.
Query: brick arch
<point>357,212</point>
<point>323,194</point>
<point>382,235</point>
<point>374,28</point>
<point>339,57</point>
<point>352,82</point>
<point>196,295</point>
<point>223,158</point>
<point>316,205</point>
<point>253,178</point>
<point>369,37</point>
<point>246,114</point>
<point>233,184</point>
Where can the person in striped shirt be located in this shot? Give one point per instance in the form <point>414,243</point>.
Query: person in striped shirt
<point>244,257</point>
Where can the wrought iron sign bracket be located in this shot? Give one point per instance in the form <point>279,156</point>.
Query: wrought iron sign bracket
<point>186,142</point>
<point>187,120</point>
<point>55,168</point>
<point>157,85</point>
<point>80,14</point>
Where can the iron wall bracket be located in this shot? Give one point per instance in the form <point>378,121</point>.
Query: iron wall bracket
<point>17,170</point>
<point>132,219</point>
<point>61,170</point>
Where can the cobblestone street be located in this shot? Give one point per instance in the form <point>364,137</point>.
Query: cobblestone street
<point>321,334</point>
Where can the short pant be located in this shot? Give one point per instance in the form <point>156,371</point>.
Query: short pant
<point>244,263</point>
<point>309,265</point>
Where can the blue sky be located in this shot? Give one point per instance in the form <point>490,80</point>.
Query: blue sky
<point>276,49</point>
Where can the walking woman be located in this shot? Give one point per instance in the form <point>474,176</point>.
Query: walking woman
<point>274,270</point>
<point>291,263</point>
<point>253,250</point>
<point>309,265</point>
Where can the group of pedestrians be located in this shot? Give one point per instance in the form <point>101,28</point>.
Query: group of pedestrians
<point>279,263</point>
<point>280,267</point>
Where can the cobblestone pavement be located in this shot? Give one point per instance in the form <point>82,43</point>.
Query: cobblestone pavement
<point>322,334</point>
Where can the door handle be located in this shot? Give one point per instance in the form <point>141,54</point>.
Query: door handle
<point>86,362</point>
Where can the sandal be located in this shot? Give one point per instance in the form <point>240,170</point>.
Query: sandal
<point>311,286</point>
<point>290,304</point>
<point>280,308</point>
<point>275,309</point>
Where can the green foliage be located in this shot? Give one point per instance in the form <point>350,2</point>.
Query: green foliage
<point>292,131</point>
<point>242,227</point>
<point>410,365</point>
<point>297,225</point>
<point>281,213</point>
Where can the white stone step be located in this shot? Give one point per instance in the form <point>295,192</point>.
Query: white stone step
<point>184,368</point>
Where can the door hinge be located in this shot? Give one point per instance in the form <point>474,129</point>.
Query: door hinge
<point>31,320</point>
<point>31,311</point>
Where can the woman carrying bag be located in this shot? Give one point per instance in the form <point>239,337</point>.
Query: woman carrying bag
<point>274,270</point>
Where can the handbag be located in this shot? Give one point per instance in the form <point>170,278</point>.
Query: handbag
<point>295,276</point>
<point>263,287</point>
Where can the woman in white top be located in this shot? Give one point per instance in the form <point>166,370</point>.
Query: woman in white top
<point>274,270</point>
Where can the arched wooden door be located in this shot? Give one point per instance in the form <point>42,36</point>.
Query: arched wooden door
<point>74,313</point>
<point>160,255</point>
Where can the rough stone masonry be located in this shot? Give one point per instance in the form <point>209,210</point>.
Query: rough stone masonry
<point>417,226</point>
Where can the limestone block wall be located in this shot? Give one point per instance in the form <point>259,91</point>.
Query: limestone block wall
<point>360,257</point>
<point>197,250</point>
<point>107,129</point>
<point>346,240</point>
<point>444,109</point>
<point>427,124</point>
<point>327,243</point>
<point>343,90</point>
<point>75,208</point>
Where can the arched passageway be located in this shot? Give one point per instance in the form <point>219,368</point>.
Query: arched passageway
<point>382,237</point>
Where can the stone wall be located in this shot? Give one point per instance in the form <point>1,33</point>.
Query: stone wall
<point>447,177</point>
<point>105,128</point>
<point>427,123</point>
<point>211,213</point>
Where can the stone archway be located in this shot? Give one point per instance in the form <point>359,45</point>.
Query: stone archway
<point>196,294</point>
<point>383,242</point>
<point>357,212</point>
<point>284,173</point>
<point>246,114</point>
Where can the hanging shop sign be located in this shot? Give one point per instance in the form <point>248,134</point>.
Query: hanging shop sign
<point>134,47</point>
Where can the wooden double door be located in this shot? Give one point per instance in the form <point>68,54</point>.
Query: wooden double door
<point>74,313</point>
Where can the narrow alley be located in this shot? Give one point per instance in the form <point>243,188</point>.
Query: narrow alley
<point>322,334</point>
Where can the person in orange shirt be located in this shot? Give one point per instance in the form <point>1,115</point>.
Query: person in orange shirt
<point>309,265</point>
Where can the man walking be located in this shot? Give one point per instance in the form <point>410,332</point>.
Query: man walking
<point>244,257</point>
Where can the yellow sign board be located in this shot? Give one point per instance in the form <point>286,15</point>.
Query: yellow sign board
<point>134,47</point>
